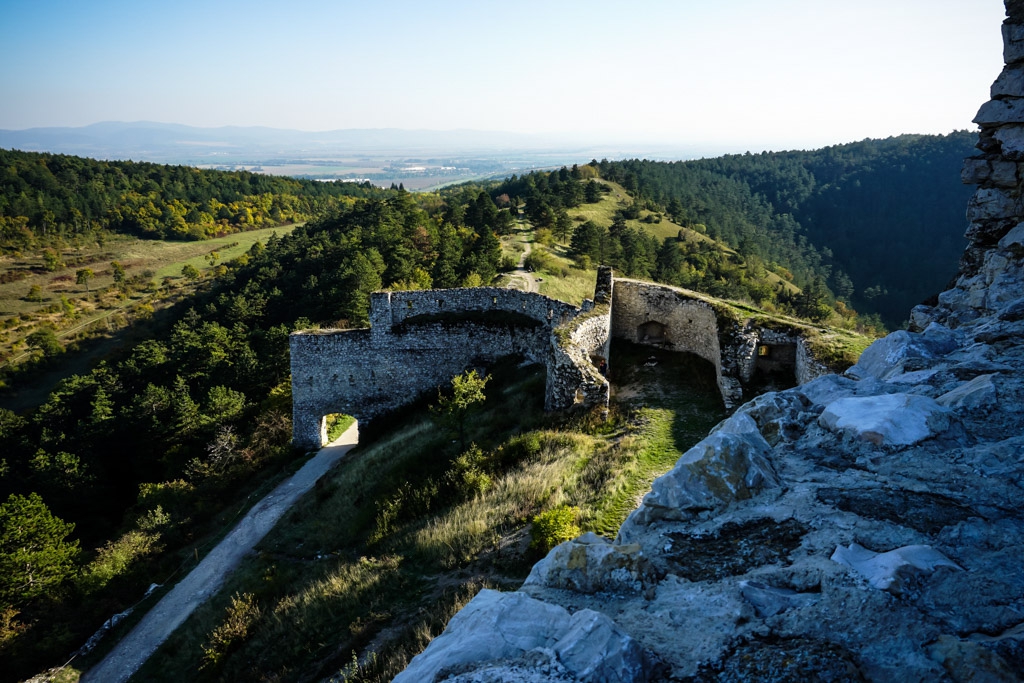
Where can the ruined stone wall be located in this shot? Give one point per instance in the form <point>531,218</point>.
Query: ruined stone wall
<point>689,324</point>
<point>670,318</point>
<point>807,367</point>
<point>394,308</point>
<point>419,340</point>
<point>992,267</point>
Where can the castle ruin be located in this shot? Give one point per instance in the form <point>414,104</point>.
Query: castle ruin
<point>418,340</point>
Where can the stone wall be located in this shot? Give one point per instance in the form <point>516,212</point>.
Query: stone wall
<point>419,340</point>
<point>686,324</point>
<point>992,267</point>
<point>671,318</point>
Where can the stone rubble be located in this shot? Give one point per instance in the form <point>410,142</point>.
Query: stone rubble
<point>860,527</point>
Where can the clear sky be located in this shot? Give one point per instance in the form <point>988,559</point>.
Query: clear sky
<point>765,73</point>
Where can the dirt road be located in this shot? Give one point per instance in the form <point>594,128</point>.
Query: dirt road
<point>203,581</point>
<point>520,278</point>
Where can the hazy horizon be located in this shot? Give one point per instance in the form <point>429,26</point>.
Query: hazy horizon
<point>793,74</point>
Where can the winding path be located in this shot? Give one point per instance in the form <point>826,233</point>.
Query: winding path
<point>208,576</point>
<point>520,278</point>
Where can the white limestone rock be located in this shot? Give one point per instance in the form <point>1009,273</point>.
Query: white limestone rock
<point>921,316</point>
<point>1014,238</point>
<point>505,626</point>
<point>595,649</point>
<point>888,571</point>
<point>591,564</point>
<point>493,625</point>
<point>771,600</point>
<point>1011,138</point>
<point>825,390</point>
<point>980,392</point>
<point>1013,42</point>
<point>997,112</point>
<point>773,416</point>
<point>968,661</point>
<point>1003,459</point>
<point>723,468</point>
<point>1009,83</point>
<point>888,420</point>
<point>989,203</point>
<point>891,355</point>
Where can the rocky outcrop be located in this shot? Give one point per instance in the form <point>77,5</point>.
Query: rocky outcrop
<point>859,527</point>
<point>991,274</point>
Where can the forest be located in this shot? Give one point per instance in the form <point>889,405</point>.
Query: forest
<point>123,467</point>
<point>52,199</point>
<point>880,222</point>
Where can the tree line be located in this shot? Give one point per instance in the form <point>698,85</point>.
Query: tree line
<point>49,198</point>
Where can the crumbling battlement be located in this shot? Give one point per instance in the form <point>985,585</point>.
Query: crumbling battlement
<point>419,340</point>
<point>672,318</point>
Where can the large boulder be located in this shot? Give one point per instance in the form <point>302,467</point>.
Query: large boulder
<point>902,352</point>
<point>497,626</point>
<point>723,468</point>
<point>591,564</point>
<point>887,420</point>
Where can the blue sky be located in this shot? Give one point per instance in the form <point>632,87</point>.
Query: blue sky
<point>765,73</point>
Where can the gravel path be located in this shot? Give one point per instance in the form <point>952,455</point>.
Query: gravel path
<point>520,278</point>
<point>203,581</point>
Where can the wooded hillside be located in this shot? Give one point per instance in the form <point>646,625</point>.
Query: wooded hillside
<point>882,221</point>
<point>48,197</point>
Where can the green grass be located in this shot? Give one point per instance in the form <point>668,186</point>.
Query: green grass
<point>337,423</point>
<point>162,257</point>
<point>102,309</point>
<point>675,402</point>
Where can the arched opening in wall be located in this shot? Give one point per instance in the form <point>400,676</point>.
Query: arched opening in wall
<point>651,332</point>
<point>774,368</point>
<point>338,429</point>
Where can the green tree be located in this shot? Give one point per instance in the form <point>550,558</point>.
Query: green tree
<point>35,554</point>
<point>563,226</point>
<point>190,272</point>
<point>453,411</point>
<point>45,340</point>
<point>82,277</point>
<point>120,276</point>
<point>52,260</point>
<point>35,294</point>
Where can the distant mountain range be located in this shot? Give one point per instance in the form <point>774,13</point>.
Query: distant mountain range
<point>174,143</point>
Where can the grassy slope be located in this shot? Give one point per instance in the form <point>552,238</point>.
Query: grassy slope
<point>164,258</point>
<point>342,576</point>
<point>100,315</point>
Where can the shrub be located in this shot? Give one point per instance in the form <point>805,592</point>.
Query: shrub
<point>554,526</point>
<point>242,613</point>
